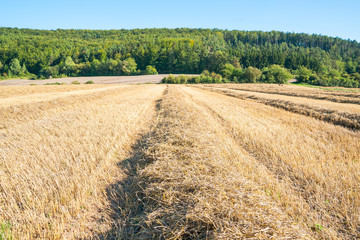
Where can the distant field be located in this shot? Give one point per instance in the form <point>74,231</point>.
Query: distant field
<point>97,80</point>
<point>158,161</point>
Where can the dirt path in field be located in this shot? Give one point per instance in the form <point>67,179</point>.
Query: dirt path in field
<point>97,80</point>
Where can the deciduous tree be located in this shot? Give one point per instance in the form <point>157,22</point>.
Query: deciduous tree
<point>277,74</point>
<point>150,70</point>
<point>252,74</point>
<point>15,67</point>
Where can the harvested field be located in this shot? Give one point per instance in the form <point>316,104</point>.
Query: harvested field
<point>174,162</point>
<point>58,156</point>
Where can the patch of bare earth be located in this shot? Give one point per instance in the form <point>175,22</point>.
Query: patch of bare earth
<point>141,79</point>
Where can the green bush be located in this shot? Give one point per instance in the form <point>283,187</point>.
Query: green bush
<point>55,83</point>
<point>205,77</point>
<point>276,74</point>
<point>89,82</point>
<point>150,70</point>
<point>170,79</point>
<point>75,82</point>
<point>252,75</point>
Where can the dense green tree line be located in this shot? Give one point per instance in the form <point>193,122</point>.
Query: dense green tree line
<point>313,59</point>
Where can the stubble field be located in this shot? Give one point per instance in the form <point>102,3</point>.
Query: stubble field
<point>179,162</point>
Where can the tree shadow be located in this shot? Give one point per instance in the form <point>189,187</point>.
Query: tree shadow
<point>126,197</point>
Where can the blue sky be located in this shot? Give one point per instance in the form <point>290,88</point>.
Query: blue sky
<point>326,17</point>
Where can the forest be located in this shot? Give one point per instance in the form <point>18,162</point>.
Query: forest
<point>237,56</point>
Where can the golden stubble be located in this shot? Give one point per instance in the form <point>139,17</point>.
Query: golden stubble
<point>55,165</point>
<point>142,162</point>
<point>310,167</point>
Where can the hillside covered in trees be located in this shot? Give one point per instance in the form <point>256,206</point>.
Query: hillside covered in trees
<point>239,56</point>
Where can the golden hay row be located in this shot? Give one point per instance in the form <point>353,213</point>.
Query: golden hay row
<point>298,91</point>
<point>346,115</point>
<point>56,161</point>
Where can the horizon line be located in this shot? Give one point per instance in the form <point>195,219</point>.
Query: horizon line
<point>169,28</point>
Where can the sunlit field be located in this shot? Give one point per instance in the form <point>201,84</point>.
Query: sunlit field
<point>156,161</point>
